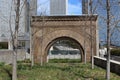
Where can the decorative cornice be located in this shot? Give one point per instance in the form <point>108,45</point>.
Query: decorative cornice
<point>64,18</point>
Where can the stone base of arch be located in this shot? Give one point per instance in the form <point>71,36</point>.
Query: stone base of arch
<point>45,29</point>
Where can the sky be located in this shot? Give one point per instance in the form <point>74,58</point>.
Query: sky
<point>74,7</point>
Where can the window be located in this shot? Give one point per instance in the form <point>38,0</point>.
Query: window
<point>3,45</point>
<point>21,44</point>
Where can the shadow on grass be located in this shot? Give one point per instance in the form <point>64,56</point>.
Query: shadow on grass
<point>8,72</point>
<point>47,67</point>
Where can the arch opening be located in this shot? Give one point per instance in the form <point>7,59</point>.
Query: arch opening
<point>64,49</point>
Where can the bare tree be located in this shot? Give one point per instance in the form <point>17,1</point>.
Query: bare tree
<point>89,10</point>
<point>15,17</point>
<point>85,11</point>
<point>114,18</point>
<point>32,12</point>
<point>15,41</point>
<point>108,20</point>
<point>91,33</point>
<point>42,13</point>
<point>108,40</point>
<point>32,33</point>
<point>14,34</point>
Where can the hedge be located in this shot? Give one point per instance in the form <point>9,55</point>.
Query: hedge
<point>115,52</point>
<point>64,60</point>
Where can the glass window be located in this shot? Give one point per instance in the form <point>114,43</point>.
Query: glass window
<point>3,45</point>
<point>21,44</point>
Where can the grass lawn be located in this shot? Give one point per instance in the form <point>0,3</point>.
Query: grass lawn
<point>56,71</point>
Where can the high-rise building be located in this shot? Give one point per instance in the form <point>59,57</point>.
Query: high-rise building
<point>58,7</point>
<point>7,19</point>
<point>85,7</point>
<point>33,7</point>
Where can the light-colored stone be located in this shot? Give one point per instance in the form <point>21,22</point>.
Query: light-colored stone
<point>6,56</point>
<point>47,29</point>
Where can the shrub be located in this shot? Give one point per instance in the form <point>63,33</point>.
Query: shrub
<point>24,65</point>
<point>24,61</point>
<point>64,60</point>
<point>2,63</point>
<point>115,52</point>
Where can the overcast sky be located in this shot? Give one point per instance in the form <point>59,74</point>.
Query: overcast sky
<point>74,7</point>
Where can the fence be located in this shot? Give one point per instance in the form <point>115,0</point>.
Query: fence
<point>6,56</point>
<point>114,65</point>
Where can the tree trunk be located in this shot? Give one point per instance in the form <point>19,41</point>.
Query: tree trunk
<point>84,46</point>
<point>14,73</point>
<point>108,40</point>
<point>15,41</point>
<point>92,59</point>
<point>31,48</point>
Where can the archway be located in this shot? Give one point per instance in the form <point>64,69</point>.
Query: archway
<point>65,48</point>
<point>46,31</point>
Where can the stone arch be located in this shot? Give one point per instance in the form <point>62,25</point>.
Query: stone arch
<point>48,28</point>
<point>49,38</point>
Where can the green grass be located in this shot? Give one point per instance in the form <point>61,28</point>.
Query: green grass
<point>5,72</point>
<point>56,71</point>
<point>64,60</point>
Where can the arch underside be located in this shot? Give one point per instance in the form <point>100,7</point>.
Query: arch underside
<point>49,39</point>
<point>77,44</point>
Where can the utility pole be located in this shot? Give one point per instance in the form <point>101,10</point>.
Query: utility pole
<point>108,40</point>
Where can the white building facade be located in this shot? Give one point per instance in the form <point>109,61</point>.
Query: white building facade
<point>7,19</point>
<point>58,7</point>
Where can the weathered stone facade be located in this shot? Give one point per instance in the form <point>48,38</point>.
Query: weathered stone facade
<point>46,29</point>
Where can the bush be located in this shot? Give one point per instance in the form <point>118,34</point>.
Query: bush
<point>2,63</point>
<point>64,61</point>
<point>115,52</point>
<point>24,61</point>
<point>24,65</point>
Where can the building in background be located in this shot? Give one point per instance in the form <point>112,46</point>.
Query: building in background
<point>33,7</point>
<point>58,7</point>
<point>7,19</point>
